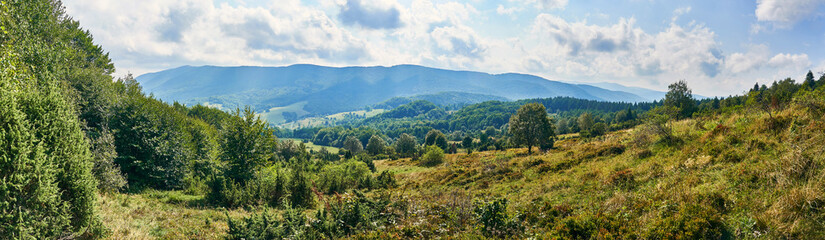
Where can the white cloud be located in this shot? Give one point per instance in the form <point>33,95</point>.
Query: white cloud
<point>546,4</point>
<point>159,34</point>
<point>624,52</point>
<point>786,12</point>
<point>501,10</point>
<point>156,34</point>
<point>679,12</point>
<point>753,59</point>
<point>785,59</point>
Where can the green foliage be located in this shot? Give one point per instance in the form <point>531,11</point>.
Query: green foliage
<point>267,187</point>
<point>376,145</point>
<point>345,215</point>
<point>405,145</point>
<point>437,138</point>
<point>105,170</point>
<point>386,180</point>
<point>350,174</point>
<point>151,141</point>
<point>300,191</point>
<point>494,221</point>
<point>247,143</point>
<point>433,156</point>
<point>467,143</point>
<point>680,97</point>
<point>530,127</point>
<point>47,190</point>
<point>353,145</point>
<point>266,225</point>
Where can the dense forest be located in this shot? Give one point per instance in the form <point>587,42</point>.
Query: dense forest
<point>78,146</point>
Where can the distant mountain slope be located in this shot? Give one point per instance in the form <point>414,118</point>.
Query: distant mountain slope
<point>325,90</point>
<point>647,94</point>
<point>441,99</point>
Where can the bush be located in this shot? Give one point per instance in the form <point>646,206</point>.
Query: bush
<point>494,220</point>
<point>386,180</point>
<point>366,159</point>
<point>267,187</point>
<point>300,193</point>
<point>291,225</point>
<point>344,215</point>
<point>433,156</point>
<point>338,178</point>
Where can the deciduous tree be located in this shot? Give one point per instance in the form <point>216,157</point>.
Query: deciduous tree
<point>531,126</point>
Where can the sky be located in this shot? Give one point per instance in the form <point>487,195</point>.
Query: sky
<point>720,47</point>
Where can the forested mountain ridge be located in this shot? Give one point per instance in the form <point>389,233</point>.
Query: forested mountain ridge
<point>326,90</point>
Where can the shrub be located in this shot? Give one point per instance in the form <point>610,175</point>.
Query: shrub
<point>386,180</point>
<point>494,221</point>
<point>366,159</point>
<point>433,156</point>
<point>268,186</point>
<point>337,178</point>
<point>291,225</point>
<point>347,214</point>
<point>300,193</point>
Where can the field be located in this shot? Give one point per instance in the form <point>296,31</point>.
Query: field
<point>720,178</point>
<point>310,145</point>
<point>328,120</point>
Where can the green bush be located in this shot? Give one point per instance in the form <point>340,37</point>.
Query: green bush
<point>267,187</point>
<point>292,224</point>
<point>386,180</point>
<point>338,178</point>
<point>348,214</point>
<point>494,221</point>
<point>433,156</point>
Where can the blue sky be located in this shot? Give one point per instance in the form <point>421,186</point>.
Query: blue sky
<point>719,47</point>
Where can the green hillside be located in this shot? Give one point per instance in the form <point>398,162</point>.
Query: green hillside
<point>84,155</point>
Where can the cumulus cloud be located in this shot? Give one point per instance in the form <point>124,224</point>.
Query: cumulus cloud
<point>624,51</point>
<point>156,34</point>
<point>545,4</point>
<point>159,34</point>
<point>501,10</point>
<point>786,12</point>
<point>459,41</point>
<point>355,13</point>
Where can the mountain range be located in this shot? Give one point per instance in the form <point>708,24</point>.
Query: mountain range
<point>311,90</point>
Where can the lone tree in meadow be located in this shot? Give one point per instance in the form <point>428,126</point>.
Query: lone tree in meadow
<point>680,97</point>
<point>530,126</point>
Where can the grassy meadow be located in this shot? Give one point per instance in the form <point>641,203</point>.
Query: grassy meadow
<point>725,176</point>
